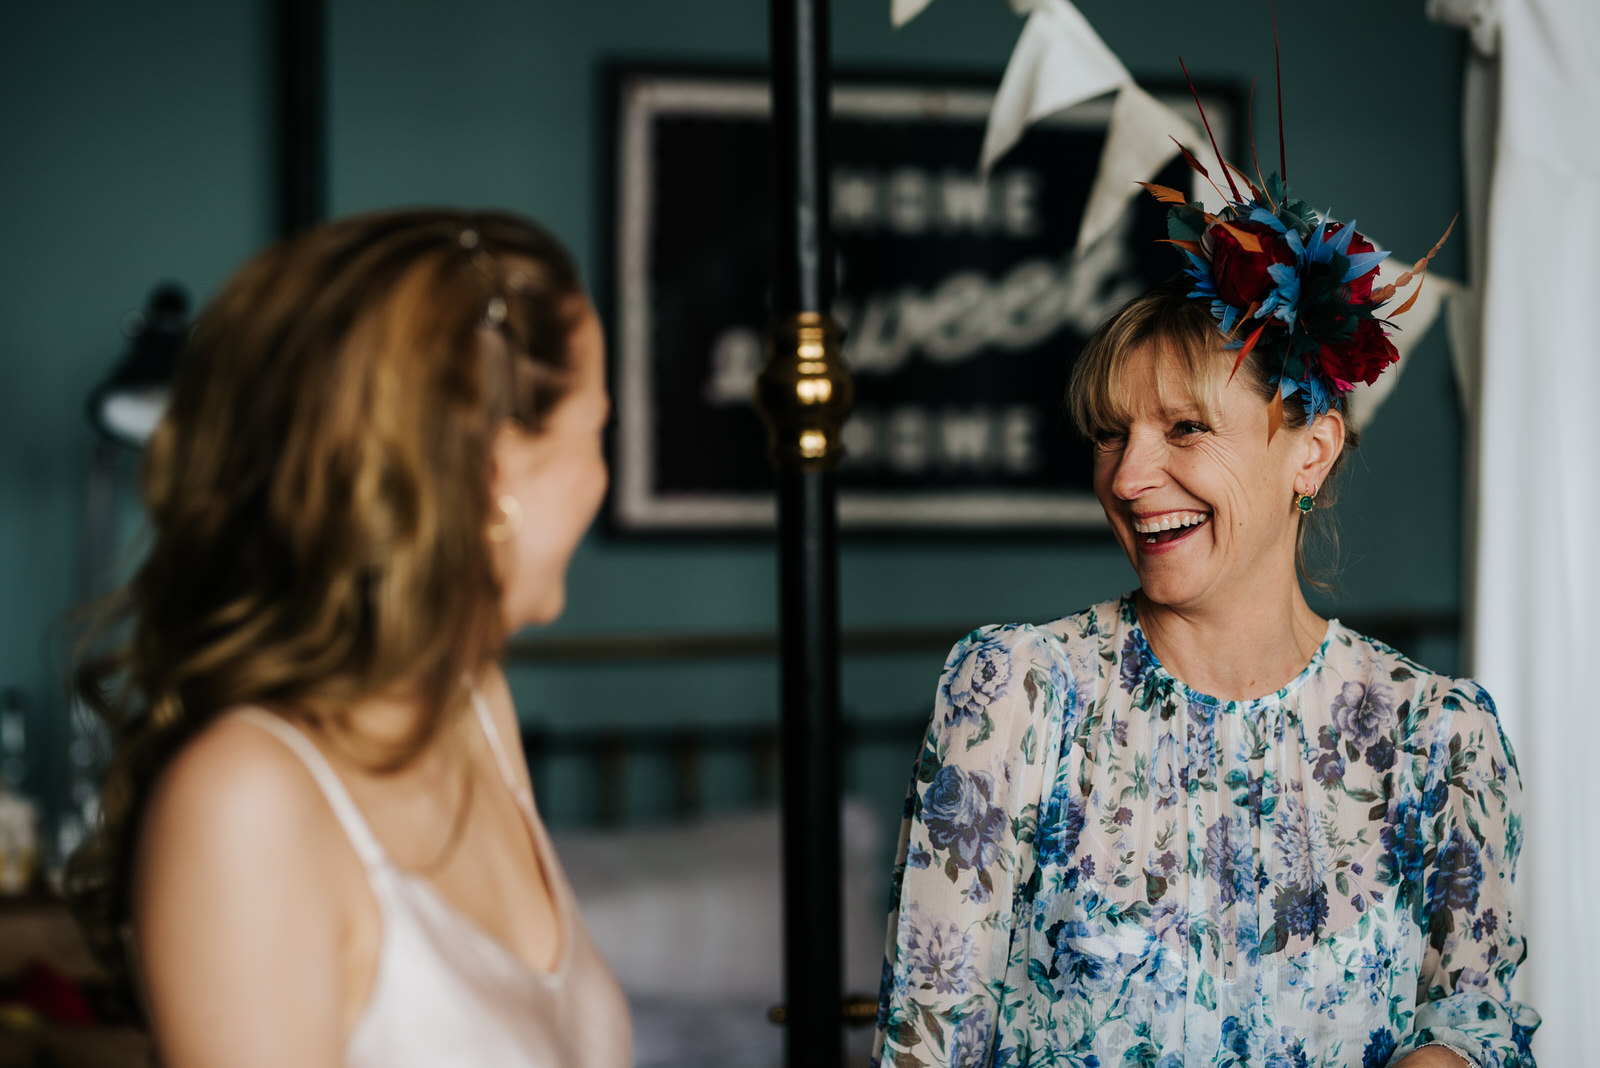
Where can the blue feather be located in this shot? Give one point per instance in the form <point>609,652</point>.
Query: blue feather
<point>1296,246</point>
<point>1285,295</point>
<point>1341,240</point>
<point>1318,397</point>
<point>1229,316</point>
<point>1318,249</point>
<point>1362,262</point>
<point>1262,215</point>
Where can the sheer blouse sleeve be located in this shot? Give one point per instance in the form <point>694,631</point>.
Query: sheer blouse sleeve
<point>1472,829</point>
<point>966,847</point>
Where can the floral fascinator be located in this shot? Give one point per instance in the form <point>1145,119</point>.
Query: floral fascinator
<point>1283,279</point>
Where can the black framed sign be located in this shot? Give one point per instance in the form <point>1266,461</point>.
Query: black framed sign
<point>962,301</point>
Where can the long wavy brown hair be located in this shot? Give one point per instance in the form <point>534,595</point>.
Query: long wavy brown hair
<point>318,493</point>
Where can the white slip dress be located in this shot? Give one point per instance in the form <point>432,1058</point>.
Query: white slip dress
<point>446,992</point>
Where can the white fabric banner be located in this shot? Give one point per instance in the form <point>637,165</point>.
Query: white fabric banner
<point>1536,577</point>
<point>1060,62</point>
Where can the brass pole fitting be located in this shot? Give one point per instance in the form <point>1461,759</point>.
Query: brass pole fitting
<point>805,392</point>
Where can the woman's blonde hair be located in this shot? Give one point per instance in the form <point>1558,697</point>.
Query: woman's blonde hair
<point>318,493</point>
<point>1183,331</point>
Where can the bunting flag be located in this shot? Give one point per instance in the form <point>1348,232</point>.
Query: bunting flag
<point>1060,62</point>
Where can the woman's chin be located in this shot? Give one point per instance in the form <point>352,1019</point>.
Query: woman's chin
<point>1161,595</point>
<point>538,611</point>
<point>1168,587</point>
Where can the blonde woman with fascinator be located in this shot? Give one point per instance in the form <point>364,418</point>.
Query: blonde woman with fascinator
<point>319,844</point>
<point>1199,824</point>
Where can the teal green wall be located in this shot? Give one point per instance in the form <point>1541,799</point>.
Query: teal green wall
<point>137,148</point>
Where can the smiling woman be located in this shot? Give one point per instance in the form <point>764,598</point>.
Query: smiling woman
<point>1200,824</point>
<point>1160,355</point>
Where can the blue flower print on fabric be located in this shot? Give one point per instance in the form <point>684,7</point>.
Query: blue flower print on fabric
<point>961,819</point>
<point>970,1043</point>
<point>1229,863</point>
<point>1302,846</point>
<point>1454,883</point>
<point>1058,838</point>
<point>1136,661</point>
<point>941,957</point>
<point>1301,911</point>
<point>1362,712</point>
<point>982,677</point>
<point>1380,1047</point>
<point>1401,837</point>
<point>1104,869</point>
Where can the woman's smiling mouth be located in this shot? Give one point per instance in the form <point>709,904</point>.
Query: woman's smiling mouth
<point>1167,527</point>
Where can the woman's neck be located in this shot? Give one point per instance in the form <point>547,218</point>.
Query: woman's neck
<point>379,728</point>
<point>1235,652</point>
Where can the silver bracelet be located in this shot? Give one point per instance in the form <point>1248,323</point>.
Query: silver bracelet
<point>1470,1060</point>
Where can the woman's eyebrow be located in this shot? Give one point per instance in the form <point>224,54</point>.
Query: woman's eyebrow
<point>1182,410</point>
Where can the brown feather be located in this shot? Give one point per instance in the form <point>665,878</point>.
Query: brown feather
<point>1220,162</point>
<point>1253,158</point>
<point>1247,241</point>
<point>1418,269</point>
<point>1165,193</point>
<point>1188,157</point>
<point>1255,193</point>
<point>1412,299</point>
<point>1198,167</point>
<point>1249,344</point>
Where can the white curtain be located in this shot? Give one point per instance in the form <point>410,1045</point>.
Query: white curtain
<point>1534,506</point>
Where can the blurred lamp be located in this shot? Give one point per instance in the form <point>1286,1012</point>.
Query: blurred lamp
<point>127,406</point>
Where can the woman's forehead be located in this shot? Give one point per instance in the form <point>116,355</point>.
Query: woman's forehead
<point>1161,379</point>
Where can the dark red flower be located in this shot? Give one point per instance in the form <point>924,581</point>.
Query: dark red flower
<point>1360,358</point>
<point>1360,288</point>
<point>1240,274</point>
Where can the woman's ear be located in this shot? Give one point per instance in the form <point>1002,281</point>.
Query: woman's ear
<point>1323,444</point>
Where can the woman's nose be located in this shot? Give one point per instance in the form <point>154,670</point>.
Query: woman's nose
<point>1138,469</point>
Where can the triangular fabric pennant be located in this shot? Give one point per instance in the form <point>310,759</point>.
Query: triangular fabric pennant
<point>1139,142</point>
<point>903,11</point>
<point>1059,62</point>
<point>1364,401</point>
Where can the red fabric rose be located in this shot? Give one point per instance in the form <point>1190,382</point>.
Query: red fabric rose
<point>1360,288</point>
<point>1241,274</point>
<point>1360,358</point>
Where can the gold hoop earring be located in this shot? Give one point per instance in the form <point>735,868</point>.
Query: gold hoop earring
<point>510,520</point>
<point>1306,501</point>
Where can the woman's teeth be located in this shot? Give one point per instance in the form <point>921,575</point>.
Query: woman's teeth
<point>1152,528</point>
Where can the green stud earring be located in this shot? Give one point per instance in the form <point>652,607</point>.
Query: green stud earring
<point>1305,502</point>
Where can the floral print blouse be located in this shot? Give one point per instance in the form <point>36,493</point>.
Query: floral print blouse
<point>1100,867</point>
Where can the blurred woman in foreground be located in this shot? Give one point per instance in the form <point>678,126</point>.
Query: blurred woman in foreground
<point>319,843</point>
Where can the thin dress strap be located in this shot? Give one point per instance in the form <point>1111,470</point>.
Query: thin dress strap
<point>333,788</point>
<point>486,719</point>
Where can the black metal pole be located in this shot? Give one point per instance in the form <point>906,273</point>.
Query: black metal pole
<point>805,394</point>
<point>801,82</point>
<point>808,598</point>
<point>301,113</point>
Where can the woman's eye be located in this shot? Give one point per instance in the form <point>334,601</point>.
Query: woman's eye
<point>1188,428</point>
<point>1109,439</point>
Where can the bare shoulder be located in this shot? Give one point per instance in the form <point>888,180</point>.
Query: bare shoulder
<point>238,900</point>
<point>237,835</point>
<point>237,797</point>
<point>236,772</point>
